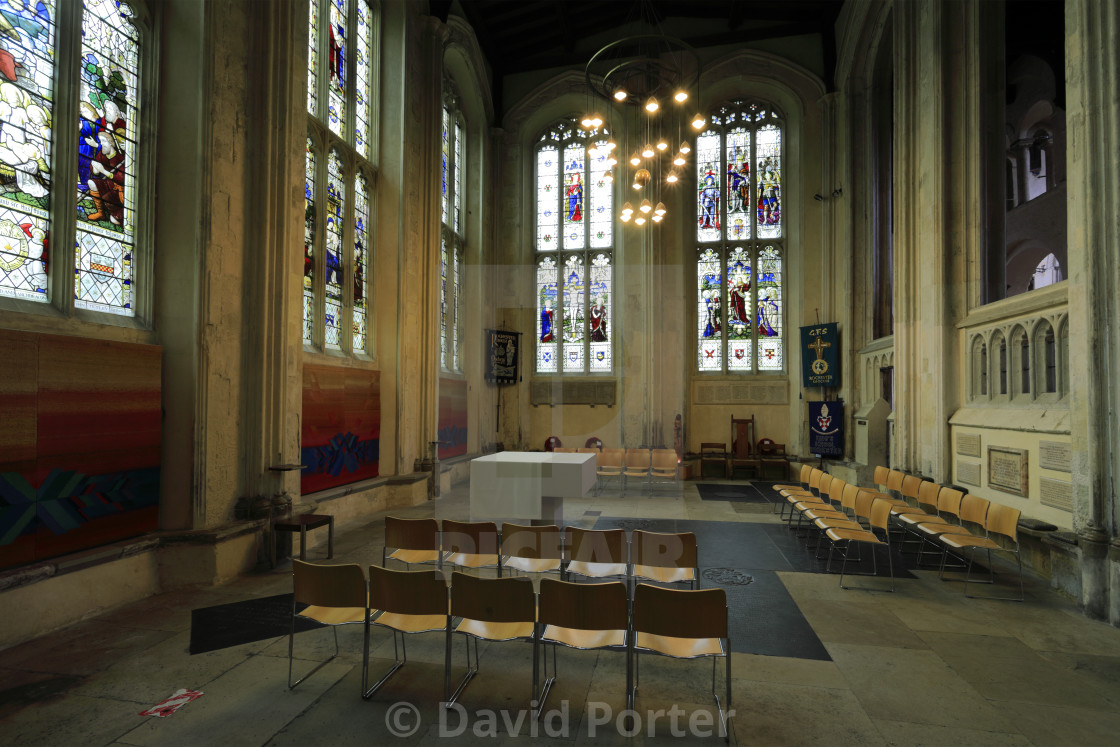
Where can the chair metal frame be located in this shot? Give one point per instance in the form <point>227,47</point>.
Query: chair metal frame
<point>585,548</point>
<point>482,549</point>
<point>1002,521</point>
<point>408,535</point>
<point>671,551</point>
<point>546,546</point>
<point>638,463</point>
<point>324,588</point>
<point>880,517</point>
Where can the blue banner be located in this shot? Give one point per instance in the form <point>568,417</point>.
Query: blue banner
<point>820,355</point>
<point>826,428</point>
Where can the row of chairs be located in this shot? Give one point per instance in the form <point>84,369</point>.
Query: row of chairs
<point>676,623</point>
<point>571,551</point>
<point>646,465</point>
<point>956,523</point>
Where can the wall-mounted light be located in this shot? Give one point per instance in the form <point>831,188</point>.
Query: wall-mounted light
<point>818,197</point>
<point>837,192</point>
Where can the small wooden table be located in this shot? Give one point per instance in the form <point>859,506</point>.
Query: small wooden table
<point>301,524</point>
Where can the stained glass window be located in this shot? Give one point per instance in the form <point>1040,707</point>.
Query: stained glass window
<point>574,216</point>
<point>341,85</point>
<point>444,269</point>
<point>457,334</point>
<point>361,260</point>
<point>739,229</point>
<point>309,245</point>
<point>452,184</point>
<point>445,165</point>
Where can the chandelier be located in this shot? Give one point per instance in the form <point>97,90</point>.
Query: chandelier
<point>651,77</point>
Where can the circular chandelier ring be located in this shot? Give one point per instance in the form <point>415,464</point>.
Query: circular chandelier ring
<point>642,62</point>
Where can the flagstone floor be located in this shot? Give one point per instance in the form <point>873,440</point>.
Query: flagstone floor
<point>921,666</point>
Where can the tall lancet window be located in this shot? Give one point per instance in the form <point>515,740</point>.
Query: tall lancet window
<point>85,251</point>
<point>453,149</point>
<point>740,241</point>
<point>341,109</point>
<point>574,251</point>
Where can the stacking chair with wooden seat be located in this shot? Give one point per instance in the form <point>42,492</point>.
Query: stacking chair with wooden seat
<point>663,466</point>
<point>1002,521</point>
<point>929,500</point>
<point>406,602</point>
<point>972,514</point>
<point>828,505</point>
<point>490,609</point>
<point>684,624</point>
<point>797,499</point>
<point>334,594</point>
<point>638,463</point>
<point>894,482</point>
<point>596,553</point>
<point>609,463</point>
<point>587,450</point>
<point>563,450</point>
<point>532,549</point>
<point>880,477</point>
<point>880,517</point>
<point>713,452</point>
<point>664,558</point>
<point>585,617</point>
<point>803,486</point>
<point>471,544</point>
<point>413,541</point>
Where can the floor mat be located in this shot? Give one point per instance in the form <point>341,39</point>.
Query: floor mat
<point>233,624</point>
<point>736,493</point>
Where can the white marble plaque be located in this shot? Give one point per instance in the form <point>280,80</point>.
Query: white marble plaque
<point>1055,455</point>
<point>968,444</point>
<point>1007,470</point>
<point>1056,493</point>
<point>968,473</point>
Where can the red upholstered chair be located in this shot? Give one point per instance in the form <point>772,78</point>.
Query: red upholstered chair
<point>551,443</point>
<point>594,443</point>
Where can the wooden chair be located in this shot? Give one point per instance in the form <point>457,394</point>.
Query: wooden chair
<point>684,624</point>
<point>638,464</point>
<point>412,540</point>
<point>880,516</point>
<point>928,493</point>
<point>551,443</point>
<point>596,553</point>
<point>664,466</point>
<point>664,558</point>
<point>1002,521</point>
<point>406,602</point>
<point>743,452</point>
<point>532,549</point>
<point>585,617</point>
<point>563,450</point>
<point>471,544</point>
<point>586,450</point>
<point>713,452</point>
<point>772,456</point>
<point>880,477</point>
<point>609,463</point>
<point>490,609</point>
<point>334,594</point>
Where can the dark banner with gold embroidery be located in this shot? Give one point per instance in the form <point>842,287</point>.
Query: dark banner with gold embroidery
<point>501,356</point>
<point>820,355</point>
<point>826,428</point>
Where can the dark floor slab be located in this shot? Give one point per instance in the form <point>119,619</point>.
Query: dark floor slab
<point>737,493</point>
<point>225,625</point>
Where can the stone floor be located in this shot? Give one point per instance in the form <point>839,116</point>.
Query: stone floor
<point>923,666</point>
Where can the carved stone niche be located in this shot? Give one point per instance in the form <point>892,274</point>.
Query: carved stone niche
<point>554,392</point>
<point>774,392</point>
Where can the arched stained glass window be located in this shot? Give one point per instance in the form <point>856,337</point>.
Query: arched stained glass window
<point>574,238</point>
<point>739,234</point>
<point>452,185</point>
<point>341,93</point>
<point>102,83</point>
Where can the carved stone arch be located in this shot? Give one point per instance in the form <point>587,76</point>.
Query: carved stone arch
<point>978,359</point>
<point>752,73</point>
<point>464,62</point>
<point>856,62</point>
<point>557,96</point>
<point>999,352</point>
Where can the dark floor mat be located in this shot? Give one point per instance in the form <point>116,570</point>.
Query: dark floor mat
<point>233,624</point>
<point>748,493</point>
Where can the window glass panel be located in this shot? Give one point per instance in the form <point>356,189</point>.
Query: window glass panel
<point>574,290</point>
<point>770,309</point>
<point>708,191</point>
<point>738,184</point>
<point>457,338</point>
<point>336,63</point>
<point>573,197</point>
<point>599,315</point>
<point>548,169</point>
<point>443,271</point>
<point>738,310</point>
<point>708,311</point>
<point>769,182</point>
<point>106,236</point>
<point>546,315</point>
<point>25,138</point>
<point>361,250</point>
<point>445,165</point>
<point>602,198</point>
<point>313,59</point>
<point>458,180</point>
<point>335,211</point>
<point>363,75</point>
<point>309,245</point>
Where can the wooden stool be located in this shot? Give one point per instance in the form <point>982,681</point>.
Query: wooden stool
<point>301,524</point>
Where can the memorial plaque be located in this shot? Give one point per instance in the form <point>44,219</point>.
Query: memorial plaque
<point>968,473</point>
<point>1055,455</point>
<point>1007,470</point>
<point>1056,493</point>
<point>968,444</point>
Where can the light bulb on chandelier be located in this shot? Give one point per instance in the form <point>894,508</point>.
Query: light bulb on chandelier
<point>647,151</point>
<point>698,121</point>
<point>685,147</point>
<point>672,177</point>
<point>639,221</point>
<point>679,160</point>
<point>636,159</point>
<point>645,207</point>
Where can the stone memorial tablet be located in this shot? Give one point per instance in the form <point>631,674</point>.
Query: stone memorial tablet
<point>968,473</point>
<point>1007,470</point>
<point>968,444</point>
<point>1055,455</point>
<point>1056,493</point>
